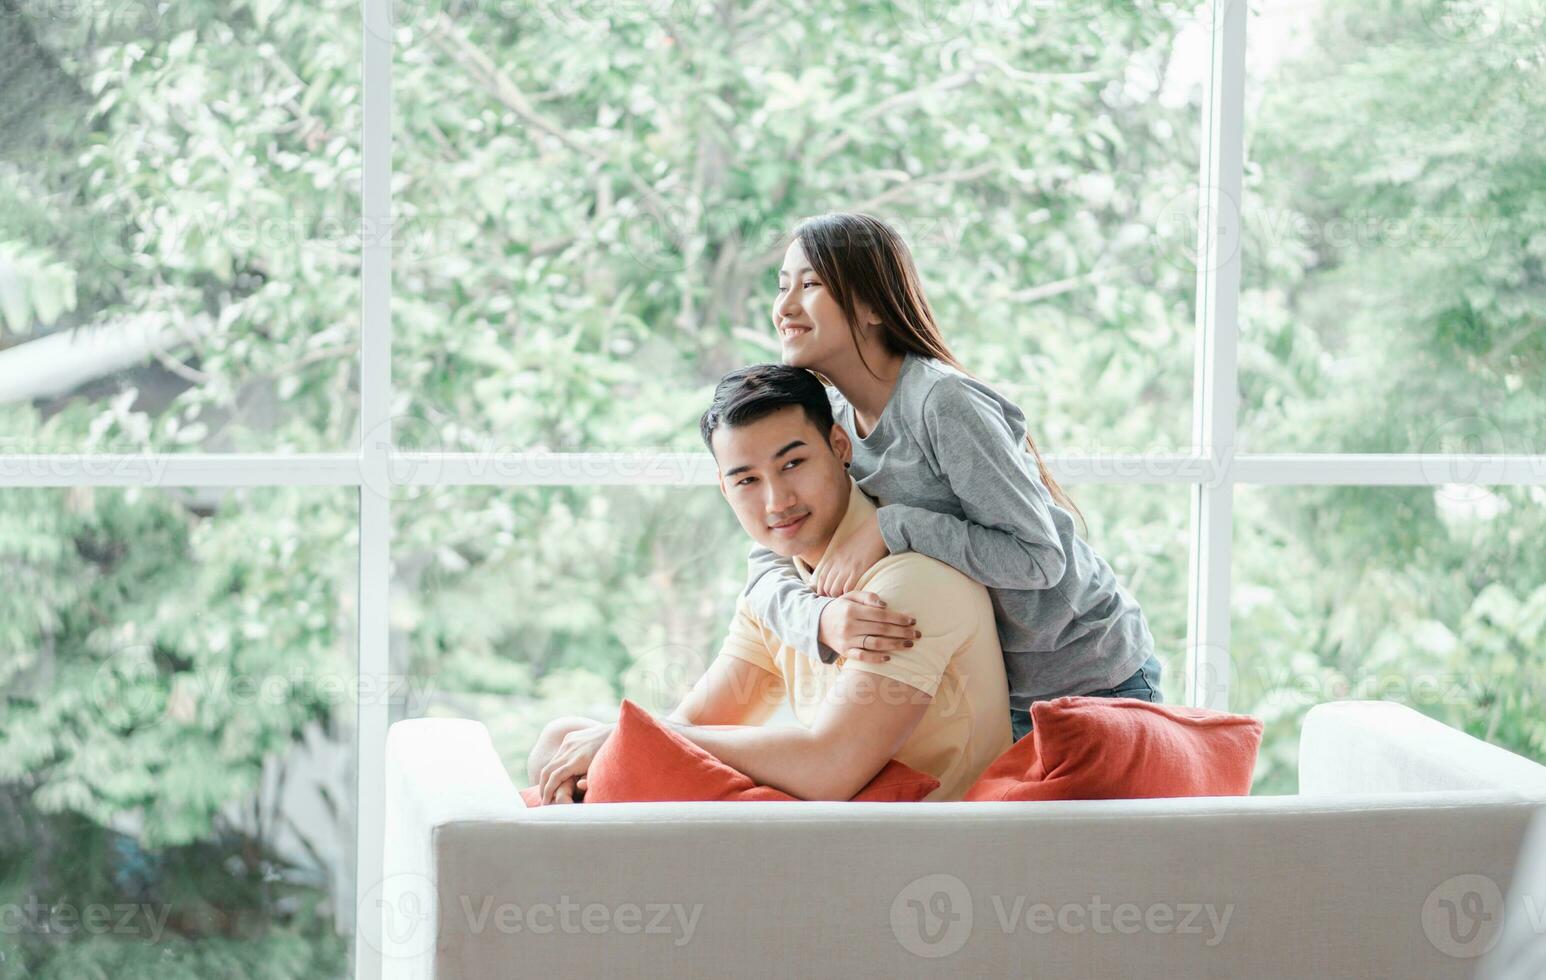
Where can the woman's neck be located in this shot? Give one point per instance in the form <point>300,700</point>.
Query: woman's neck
<point>866,392</point>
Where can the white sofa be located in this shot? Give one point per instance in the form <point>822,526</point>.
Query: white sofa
<point>1368,872</point>
<point>1519,940</point>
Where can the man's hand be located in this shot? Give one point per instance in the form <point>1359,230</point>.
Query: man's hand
<point>570,791</point>
<point>859,626</point>
<point>842,567</point>
<point>559,778</point>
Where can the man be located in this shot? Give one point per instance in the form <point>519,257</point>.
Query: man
<point>940,704</point>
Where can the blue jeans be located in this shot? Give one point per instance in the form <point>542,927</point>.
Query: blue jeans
<point>1143,685</point>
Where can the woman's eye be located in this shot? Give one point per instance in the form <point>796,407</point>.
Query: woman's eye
<point>811,285</point>
<point>793,462</point>
<point>744,480</point>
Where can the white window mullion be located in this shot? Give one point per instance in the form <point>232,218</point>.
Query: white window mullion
<point>514,469</point>
<point>1215,381</point>
<point>521,468</point>
<point>1390,469</point>
<point>375,528</point>
<point>180,470</point>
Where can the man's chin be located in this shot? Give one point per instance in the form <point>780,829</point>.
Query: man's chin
<point>781,547</point>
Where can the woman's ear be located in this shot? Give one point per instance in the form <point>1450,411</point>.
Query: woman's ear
<point>868,321</point>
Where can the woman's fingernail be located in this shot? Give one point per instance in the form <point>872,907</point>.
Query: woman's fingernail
<point>917,634</point>
<point>909,642</point>
<point>885,658</point>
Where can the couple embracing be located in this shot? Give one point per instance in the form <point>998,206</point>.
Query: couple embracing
<point>916,579</point>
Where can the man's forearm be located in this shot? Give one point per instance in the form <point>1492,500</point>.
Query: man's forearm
<point>791,759</point>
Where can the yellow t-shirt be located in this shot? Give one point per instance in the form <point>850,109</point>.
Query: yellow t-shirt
<point>957,660</point>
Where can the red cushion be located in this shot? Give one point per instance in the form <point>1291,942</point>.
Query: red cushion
<point>1084,748</point>
<point>896,782</point>
<point>646,762</point>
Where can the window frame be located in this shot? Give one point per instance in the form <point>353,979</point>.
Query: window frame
<point>1212,469</point>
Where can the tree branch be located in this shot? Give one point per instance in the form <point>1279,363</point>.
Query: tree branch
<point>757,338</point>
<point>886,106</point>
<point>1059,77</point>
<point>886,197</point>
<point>61,362</point>
<point>948,177</point>
<point>451,39</point>
<point>1047,290</point>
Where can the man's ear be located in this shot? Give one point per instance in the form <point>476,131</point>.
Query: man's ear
<point>842,446</point>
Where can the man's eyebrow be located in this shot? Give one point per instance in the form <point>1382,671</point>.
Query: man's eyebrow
<point>740,469</point>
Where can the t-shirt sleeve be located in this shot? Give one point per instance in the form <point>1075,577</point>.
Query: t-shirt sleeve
<point>746,640</point>
<point>950,612</point>
<point>1007,539</point>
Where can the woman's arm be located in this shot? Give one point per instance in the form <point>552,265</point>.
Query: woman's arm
<point>781,600</point>
<point>1007,539</point>
<point>800,617</point>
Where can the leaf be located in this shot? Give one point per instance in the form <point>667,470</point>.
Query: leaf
<point>181,46</point>
<point>13,298</point>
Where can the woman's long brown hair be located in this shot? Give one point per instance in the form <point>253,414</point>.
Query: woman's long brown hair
<point>861,259</point>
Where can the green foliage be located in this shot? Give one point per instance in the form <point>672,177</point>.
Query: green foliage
<point>32,289</point>
<point>278,955</point>
<point>1393,289</point>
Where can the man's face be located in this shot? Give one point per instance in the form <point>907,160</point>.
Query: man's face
<point>788,488</point>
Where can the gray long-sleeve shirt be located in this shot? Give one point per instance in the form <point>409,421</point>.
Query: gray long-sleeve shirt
<point>948,464</point>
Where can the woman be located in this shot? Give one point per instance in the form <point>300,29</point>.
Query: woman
<point>958,479</point>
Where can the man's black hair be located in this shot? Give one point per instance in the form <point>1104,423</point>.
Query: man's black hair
<point>750,393</point>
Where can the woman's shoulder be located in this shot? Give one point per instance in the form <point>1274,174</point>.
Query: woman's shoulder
<point>941,389</point>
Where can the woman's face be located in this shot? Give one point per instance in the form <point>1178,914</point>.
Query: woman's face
<point>811,327</point>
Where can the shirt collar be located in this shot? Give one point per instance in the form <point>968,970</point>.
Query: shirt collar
<point>859,510</point>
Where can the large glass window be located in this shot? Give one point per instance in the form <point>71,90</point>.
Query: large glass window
<point>1431,596</point>
<point>177,752</point>
<point>628,591</point>
<point>179,226</point>
<point>1392,284</point>
<point>588,208</point>
<point>592,202</point>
